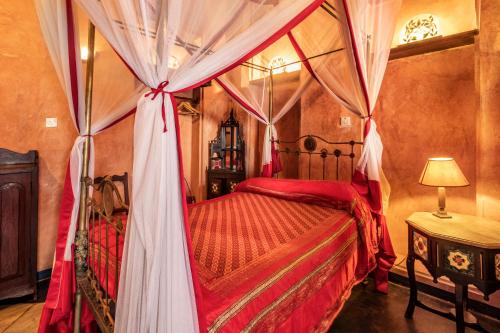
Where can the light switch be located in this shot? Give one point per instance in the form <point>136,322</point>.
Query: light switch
<point>50,122</point>
<point>345,121</point>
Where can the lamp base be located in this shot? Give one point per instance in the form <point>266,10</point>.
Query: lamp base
<point>442,215</point>
<point>441,211</point>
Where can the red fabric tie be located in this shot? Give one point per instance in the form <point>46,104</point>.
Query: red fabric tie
<point>157,91</point>
<point>367,125</point>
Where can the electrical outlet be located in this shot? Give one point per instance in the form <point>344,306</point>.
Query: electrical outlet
<point>345,121</point>
<point>50,122</point>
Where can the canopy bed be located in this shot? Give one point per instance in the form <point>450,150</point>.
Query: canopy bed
<point>313,239</point>
<point>165,282</point>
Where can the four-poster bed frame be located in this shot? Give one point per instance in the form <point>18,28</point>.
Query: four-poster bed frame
<point>277,253</point>
<point>81,237</point>
<point>100,213</point>
<point>94,214</point>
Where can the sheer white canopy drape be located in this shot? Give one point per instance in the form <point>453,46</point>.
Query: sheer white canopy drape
<point>250,84</point>
<point>58,22</point>
<point>345,45</point>
<point>371,30</point>
<point>173,46</point>
<point>353,77</point>
<point>321,34</point>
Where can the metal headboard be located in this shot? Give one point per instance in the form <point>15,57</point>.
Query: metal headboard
<point>309,147</point>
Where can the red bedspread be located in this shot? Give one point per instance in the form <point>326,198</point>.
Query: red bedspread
<point>100,252</point>
<point>276,255</point>
<point>270,264</point>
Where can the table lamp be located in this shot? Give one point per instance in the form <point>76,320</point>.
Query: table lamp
<point>442,172</point>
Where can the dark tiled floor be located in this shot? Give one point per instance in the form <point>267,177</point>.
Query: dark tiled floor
<point>367,311</point>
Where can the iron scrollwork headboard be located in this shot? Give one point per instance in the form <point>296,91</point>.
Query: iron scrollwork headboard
<point>310,148</point>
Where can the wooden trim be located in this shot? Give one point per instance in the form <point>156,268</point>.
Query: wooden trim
<point>433,44</point>
<point>44,275</point>
<point>9,157</point>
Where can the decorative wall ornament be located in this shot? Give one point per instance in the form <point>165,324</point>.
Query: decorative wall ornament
<point>278,65</point>
<point>275,62</point>
<point>420,245</point>
<point>420,27</point>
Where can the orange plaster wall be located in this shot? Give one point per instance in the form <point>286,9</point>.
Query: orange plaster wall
<point>288,129</point>
<point>488,135</point>
<point>30,92</point>
<point>433,104</point>
<point>112,81</point>
<point>114,150</point>
<point>427,108</point>
<point>321,116</point>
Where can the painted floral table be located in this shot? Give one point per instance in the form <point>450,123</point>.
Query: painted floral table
<point>465,248</point>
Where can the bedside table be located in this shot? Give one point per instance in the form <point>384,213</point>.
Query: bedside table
<point>465,248</point>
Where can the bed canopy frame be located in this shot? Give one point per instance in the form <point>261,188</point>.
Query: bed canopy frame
<point>368,176</point>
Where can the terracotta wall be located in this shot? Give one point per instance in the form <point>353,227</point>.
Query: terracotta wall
<point>30,92</point>
<point>112,81</point>
<point>427,108</point>
<point>436,104</point>
<point>488,135</point>
<point>288,129</point>
<point>321,116</point>
<point>114,150</point>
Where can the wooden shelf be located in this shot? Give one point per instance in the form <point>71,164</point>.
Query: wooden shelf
<point>433,44</point>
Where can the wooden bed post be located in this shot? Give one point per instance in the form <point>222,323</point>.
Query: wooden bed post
<point>81,241</point>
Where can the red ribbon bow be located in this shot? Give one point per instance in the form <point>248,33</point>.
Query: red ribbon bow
<point>155,92</point>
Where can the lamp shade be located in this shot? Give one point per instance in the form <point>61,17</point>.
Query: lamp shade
<point>442,171</point>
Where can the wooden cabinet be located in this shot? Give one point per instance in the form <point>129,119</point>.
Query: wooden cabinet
<point>222,182</point>
<point>18,223</point>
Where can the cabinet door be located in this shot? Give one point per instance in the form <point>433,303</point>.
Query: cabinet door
<point>16,269</point>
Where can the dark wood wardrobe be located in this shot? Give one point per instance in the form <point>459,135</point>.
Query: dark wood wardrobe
<point>18,223</point>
